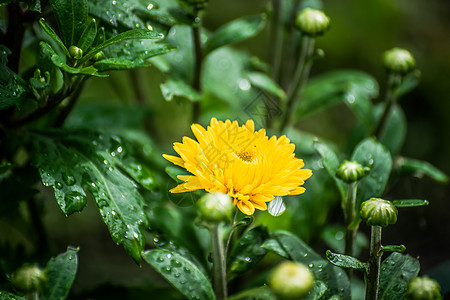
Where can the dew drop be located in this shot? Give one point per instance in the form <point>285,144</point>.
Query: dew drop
<point>150,6</point>
<point>166,269</point>
<point>68,179</point>
<point>113,212</point>
<point>187,270</point>
<point>175,263</point>
<point>58,185</point>
<point>169,255</point>
<point>244,84</point>
<point>177,275</point>
<point>305,255</point>
<point>248,259</point>
<point>311,265</point>
<point>160,259</point>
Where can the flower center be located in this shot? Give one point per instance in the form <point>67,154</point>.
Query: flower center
<point>247,155</point>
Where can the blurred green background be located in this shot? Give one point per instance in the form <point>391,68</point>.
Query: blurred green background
<point>360,32</point>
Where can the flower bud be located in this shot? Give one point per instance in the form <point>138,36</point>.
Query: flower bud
<point>312,22</point>
<point>351,171</point>
<point>291,280</point>
<point>98,56</point>
<point>216,207</point>
<point>423,288</point>
<point>378,212</point>
<point>398,60</point>
<point>75,52</point>
<point>28,278</point>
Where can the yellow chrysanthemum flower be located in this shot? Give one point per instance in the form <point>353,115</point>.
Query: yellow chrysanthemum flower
<point>236,160</point>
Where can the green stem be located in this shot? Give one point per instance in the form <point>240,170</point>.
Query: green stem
<point>350,214</point>
<point>373,276</point>
<point>73,98</point>
<point>300,78</point>
<point>198,62</point>
<point>394,80</point>
<point>218,258</point>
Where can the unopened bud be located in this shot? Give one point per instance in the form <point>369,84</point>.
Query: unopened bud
<point>75,52</point>
<point>28,278</point>
<point>312,22</point>
<point>291,280</point>
<point>423,288</point>
<point>378,212</point>
<point>216,207</point>
<point>351,171</point>
<point>398,60</point>
<point>98,56</point>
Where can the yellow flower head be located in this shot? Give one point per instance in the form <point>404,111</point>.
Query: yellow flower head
<point>236,160</point>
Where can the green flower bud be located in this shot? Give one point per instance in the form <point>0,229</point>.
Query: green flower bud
<point>291,280</point>
<point>216,207</point>
<point>351,171</point>
<point>398,60</point>
<point>28,278</point>
<point>312,22</point>
<point>424,288</point>
<point>75,52</point>
<point>98,56</point>
<point>378,212</point>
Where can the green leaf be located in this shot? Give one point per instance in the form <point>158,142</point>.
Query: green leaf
<point>371,153</point>
<point>331,163</point>
<point>409,82</point>
<point>260,293</point>
<point>59,62</point>
<point>127,35</point>
<point>392,248</point>
<point>265,83</point>
<point>235,31</point>
<point>291,247</point>
<point>4,295</point>
<point>396,272</point>
<point>54,36</point>
<point>319,289</point>
<point>181,273</point>
<point>420,168</point>
<point>178,88</point>
<point>247,252</point>
<point>355,88</point>
<point>12,87</point>
<point>74,160</point>
<point>71,16</point>
<point>410,203</point>
<point>61,272</point>
<point>394,133</point>
<point>88,36</point>
<point>346,261</point>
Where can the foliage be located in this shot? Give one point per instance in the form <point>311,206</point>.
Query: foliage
<point>59,143</point>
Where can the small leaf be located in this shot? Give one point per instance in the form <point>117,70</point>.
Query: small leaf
<point>396,272</point>
<point>88,36</point>
<point>410,203</point>
<point>178,88</point>
<point>331,163</point>
<point>181,273</point>
<point>247,252</point>
<point>409,82</point>
<point>261,293</point>
<point>346,261</point>
<point>4,295</point>
<point>394,133</point>
<point>392,248</point>
<point>371,153</point>
<point>54,36</point>
<point>71,16</point>
<point>420,168</point>
<point>12,87</point>
<point>235,31</point>
<point>265,83</point>
<point>127,35</point>
<point>61,272</point>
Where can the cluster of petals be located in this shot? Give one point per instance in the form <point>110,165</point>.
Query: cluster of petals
<point>241,162</point>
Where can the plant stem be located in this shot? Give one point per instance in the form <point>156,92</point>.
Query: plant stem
<point>373,276</point>
<point>390,100</point>
<point>350,214</point>
<point>300,78</point>
<point>198,62</point>
<point>73,98</point>
<point>218,257</point>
